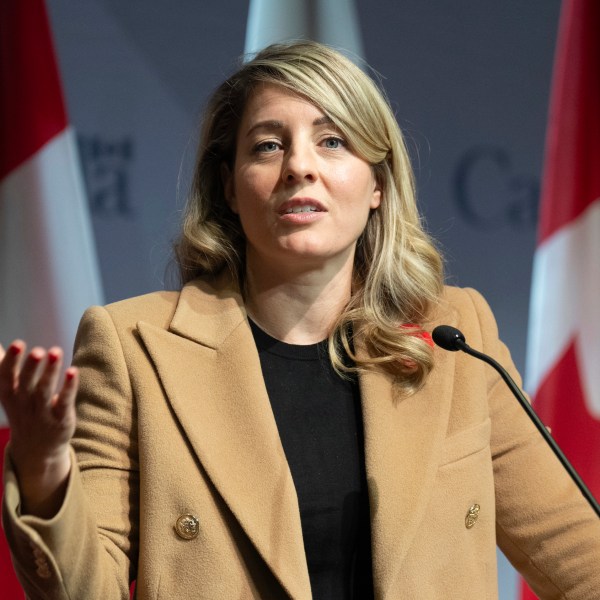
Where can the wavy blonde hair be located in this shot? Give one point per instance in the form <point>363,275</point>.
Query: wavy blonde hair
<point>398,273</point>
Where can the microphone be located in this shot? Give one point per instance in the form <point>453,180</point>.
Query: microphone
<point>452,339</point>
<point>448,337</point>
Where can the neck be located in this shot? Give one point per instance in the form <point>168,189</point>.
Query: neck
<point>297,306</point>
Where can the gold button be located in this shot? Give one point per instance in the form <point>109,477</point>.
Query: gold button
<point>472,516</point>
<point>187,527</point>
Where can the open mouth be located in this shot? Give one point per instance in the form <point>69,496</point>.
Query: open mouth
<point>297,206</point>
<point>301,209</point>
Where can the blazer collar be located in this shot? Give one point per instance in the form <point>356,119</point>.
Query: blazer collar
<point>207,313</point>
<point>404,437</point>
<point>211,373</point>
<point>403,445</point>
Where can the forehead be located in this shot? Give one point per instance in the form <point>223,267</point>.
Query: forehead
<point>269,100</point>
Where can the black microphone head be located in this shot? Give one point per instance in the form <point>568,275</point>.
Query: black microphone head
<point>448,337</point>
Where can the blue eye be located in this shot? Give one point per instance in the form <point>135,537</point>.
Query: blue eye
<point>267,147</point>
<point>333,143</point>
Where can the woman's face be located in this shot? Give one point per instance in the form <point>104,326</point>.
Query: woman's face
<point>300,192</point>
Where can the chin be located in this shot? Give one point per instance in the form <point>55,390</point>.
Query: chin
<point>317,255</point>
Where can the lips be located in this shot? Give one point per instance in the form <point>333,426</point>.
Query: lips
<point>301,205</point>
<point>301,209</point>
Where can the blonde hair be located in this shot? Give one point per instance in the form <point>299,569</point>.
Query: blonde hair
<point>398,273</point>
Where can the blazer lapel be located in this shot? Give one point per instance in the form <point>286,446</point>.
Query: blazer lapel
<point>210,370</point>
<point>403,443</point>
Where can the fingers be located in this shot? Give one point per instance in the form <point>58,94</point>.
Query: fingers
<point>64,402</point>
<point>40,411</point>
<point>48,381</point>
<point>10,363</point>
<point>11,358</point>
<point>15,348</point>
<point>31,370</point>
<point>30,382</point>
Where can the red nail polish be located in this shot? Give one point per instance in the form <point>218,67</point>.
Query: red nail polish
<point>52,358</point>
<point>16,350</point>
<point>70,376</point>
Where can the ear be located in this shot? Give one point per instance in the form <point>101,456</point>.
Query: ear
<point>376,199</point>
<point>228,187</point>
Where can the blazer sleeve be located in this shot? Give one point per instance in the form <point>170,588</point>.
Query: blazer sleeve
<point>544,526</point>
<point>86,549</point>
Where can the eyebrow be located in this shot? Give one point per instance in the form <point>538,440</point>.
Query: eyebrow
<point>275,124</point>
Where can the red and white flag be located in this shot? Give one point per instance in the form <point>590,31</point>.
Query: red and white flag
<point>48,266</point>
<point>563,355</point>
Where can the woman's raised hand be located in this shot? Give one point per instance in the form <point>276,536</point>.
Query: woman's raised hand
<point>41,415</point>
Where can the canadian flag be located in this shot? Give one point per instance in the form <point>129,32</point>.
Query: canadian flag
<point>48,266</point>
<point>563,354</point>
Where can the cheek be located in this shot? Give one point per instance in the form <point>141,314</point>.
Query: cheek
<point>252,187</point>
<point>344,175</point>
<point>252,194</point>
<point>357,181</point>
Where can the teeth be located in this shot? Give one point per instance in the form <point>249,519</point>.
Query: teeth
<point>300,209</point>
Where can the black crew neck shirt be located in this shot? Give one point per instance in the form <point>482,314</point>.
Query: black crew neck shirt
<point>318,415</point>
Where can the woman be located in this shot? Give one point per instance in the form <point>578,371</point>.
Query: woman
<point>282,427</point>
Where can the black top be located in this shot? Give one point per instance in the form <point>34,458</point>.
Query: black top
<point>319,419</point>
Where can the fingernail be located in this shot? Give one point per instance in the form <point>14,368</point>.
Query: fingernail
<point>70,375</point>
<point>16,350</point>
<point>52,358</point>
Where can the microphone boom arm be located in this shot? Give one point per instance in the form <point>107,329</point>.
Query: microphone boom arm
<point>460,344</point>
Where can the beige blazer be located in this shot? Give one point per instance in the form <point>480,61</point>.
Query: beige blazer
<point>182,482</point>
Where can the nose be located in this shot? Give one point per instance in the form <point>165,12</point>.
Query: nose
<point>299,164</point>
